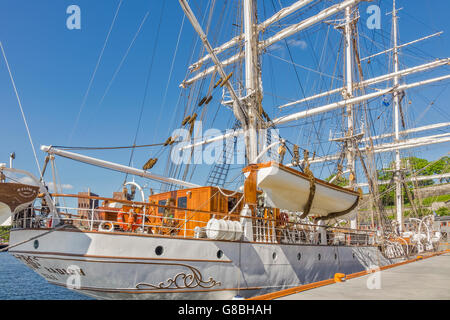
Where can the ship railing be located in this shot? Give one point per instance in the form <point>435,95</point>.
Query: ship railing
<point>301,233</point>
<point>157,219</point>
<point>90,220</point>
<point>28,218</point>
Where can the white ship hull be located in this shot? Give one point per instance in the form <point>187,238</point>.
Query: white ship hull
<point>121,266</point>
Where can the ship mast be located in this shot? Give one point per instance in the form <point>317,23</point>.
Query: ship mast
<point>348,94</point>
<point>397,178</point>
<point>253,97</point>
<point>242,106</point>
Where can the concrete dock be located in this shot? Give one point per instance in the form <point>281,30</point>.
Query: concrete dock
<point>427,279</point>
<point>424,277</point>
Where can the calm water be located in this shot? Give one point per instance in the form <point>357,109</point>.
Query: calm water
<point>18,282</point>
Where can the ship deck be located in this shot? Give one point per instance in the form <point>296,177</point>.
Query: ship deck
<point>426,278</point>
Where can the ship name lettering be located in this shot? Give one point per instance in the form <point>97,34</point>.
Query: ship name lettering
<point>66,272</point>
<point>49,276</point>
<point>30,261</point>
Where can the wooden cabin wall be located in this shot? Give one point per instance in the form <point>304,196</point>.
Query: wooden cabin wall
<point>198,199</point>
<point>204,199</point>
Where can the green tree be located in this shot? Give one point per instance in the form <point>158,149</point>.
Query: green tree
<point>419,167</point>
<point>415,166</point>
<point>440,167</point>
<point>341,181</point>
<point>443,211</point>
<point>388,198</point>
<point>4,233</point>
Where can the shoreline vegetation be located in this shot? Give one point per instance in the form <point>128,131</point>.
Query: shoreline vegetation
<point>4,234</point>
<point>413,166</point>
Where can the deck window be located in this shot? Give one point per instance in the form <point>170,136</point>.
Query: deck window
<point>182,202</point>
<point>161,203</point>
<point>231,203</point>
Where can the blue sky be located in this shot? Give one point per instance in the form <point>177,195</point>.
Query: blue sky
<point>52,67</point>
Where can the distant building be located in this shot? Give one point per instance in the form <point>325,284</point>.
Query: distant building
<point>86,205</point>
<point>124,194</point>
<point>119,196</point>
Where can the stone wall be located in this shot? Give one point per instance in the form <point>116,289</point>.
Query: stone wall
<point>433,191</point>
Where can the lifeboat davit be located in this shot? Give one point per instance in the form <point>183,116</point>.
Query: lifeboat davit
<point>289,189</point>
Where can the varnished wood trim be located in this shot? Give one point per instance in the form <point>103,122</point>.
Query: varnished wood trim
<point>140,204</point>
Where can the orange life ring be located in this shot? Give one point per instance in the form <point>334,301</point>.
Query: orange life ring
<point>106,227</point>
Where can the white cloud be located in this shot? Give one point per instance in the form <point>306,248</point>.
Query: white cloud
<point>298,43</point>
<point>51,187</point>
<point>275,47</point>
<point>27,180</point>
<point>292,43</point>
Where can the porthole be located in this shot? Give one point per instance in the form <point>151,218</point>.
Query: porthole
<point>274,255</point>
<point>354,255</point>
<point>299,256</point>
<point>36,244</point>
<point>319,256</point>
<point>335,256</point>
<point>219,254</point>
<point>159,250</point>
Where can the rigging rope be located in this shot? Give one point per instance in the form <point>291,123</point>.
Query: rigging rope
<point>83,103</point>
<point>146,86</point>
<point>171,70</point>
<point>123,58</point>
<point>20,106</point>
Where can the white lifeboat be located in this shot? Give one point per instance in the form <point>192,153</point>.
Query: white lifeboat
<point>289,189</point>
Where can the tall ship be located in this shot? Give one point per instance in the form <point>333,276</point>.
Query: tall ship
<point>275,225</point>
